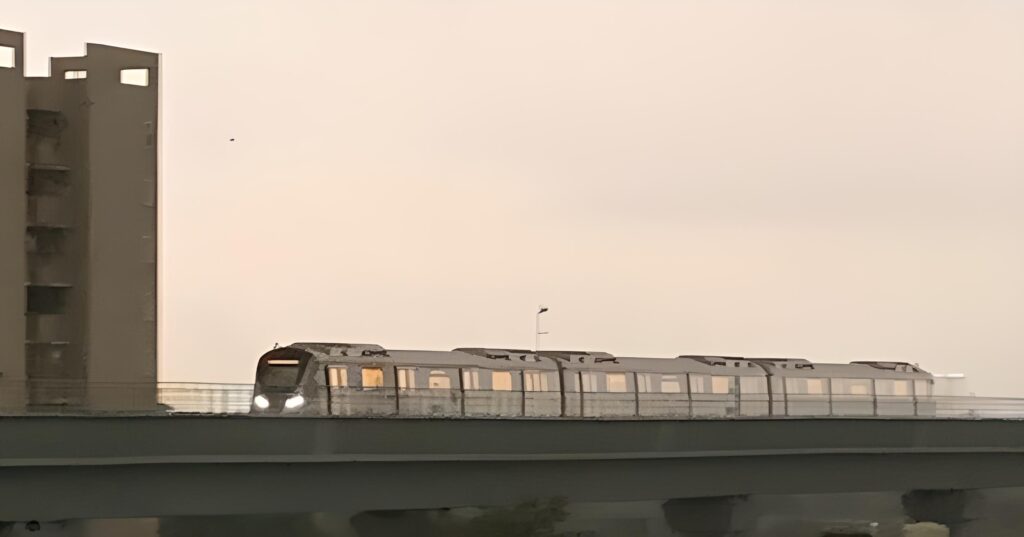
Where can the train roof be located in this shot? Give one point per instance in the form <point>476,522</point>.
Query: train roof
<point>375,354</point>
<point>498,358</point>
<point>798,367</point>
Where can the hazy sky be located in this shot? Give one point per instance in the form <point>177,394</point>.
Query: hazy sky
<point>837,180</point>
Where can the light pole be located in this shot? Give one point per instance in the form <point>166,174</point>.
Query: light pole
<point>537,332</point>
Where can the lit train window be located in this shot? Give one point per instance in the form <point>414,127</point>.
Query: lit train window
<point>892,387</point>
<point>407,377</point>
<point>806,386</point>
<point>670,384</point>
<point>589,381</point>
<point>439,380</point>
<point>501,381</point>
<point>922,388</point>
<point>753,385</point>
<point>851,386</point>
<point>704,384</point>
<point>373,377</point>
<point>536,381</point>
<point>723,385</point>
<point>816,386</point>
<point>470,379</point>
<point>337,377</point>
<point>616,382</point>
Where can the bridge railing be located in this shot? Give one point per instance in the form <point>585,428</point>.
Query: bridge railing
<point>76,397</point>
<point>67,397</point>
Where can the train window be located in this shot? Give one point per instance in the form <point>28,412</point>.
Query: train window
<point>280,373</point>
<point>572,382</point>
<point>712,384</point>
<point>851,386</point>
<point>616,382</point>
<point>922,388</point>
<point>589,381</point>
<point>337,377</point>
<point>806,386</point>
<point>439,380</point>
<point>407,378</point>
<point>373,377</point>
<point>501,381</point>
<point>536,381</point>
<point>643,383</point>
<point>753,385</point>
<point>670,384</point>
<point>892,387</point>
<point>723,385</point>
<point>470,379</point>
<point>700,383</point>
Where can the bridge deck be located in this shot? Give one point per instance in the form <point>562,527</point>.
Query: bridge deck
<point>153,466</point>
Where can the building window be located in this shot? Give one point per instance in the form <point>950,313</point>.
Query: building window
<point>77,74</point>
<point>407,378</point>
<point>135,77</point>
<point>373,377</point>
<point>47,300</point>
<point>337,377</point>
<point>439,380</point>
<point>616,382</point>
<point>536,381</point>
<point>7,57</point>
<point>501,381</point>
<point>670,384</point>
<point>470,379</point>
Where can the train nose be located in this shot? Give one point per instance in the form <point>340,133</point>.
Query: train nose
<point>278,402</point>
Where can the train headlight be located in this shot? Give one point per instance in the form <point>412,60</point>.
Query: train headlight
<point>261,402</point>
<point>295,401</point>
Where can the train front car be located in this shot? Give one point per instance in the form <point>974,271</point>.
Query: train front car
<point>281,385</point>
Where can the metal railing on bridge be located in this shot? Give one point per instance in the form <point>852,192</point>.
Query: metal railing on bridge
<point>174,398</point>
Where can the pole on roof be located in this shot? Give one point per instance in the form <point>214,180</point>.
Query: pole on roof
<point>537,332</point>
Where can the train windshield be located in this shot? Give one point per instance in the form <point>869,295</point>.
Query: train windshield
<point>280,373</point>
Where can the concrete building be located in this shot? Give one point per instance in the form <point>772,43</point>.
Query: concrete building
<point>78,221</point>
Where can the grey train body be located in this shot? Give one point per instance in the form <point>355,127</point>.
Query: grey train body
<point>341,379</point>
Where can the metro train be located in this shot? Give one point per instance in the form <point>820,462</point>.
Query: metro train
<point>345,379</point>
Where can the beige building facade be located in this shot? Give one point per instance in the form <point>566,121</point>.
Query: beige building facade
<point>78,220</point>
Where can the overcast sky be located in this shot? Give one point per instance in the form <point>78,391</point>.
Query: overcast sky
<point>835,180</point>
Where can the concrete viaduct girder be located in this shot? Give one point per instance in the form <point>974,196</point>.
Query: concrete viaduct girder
<point>54,468</point>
